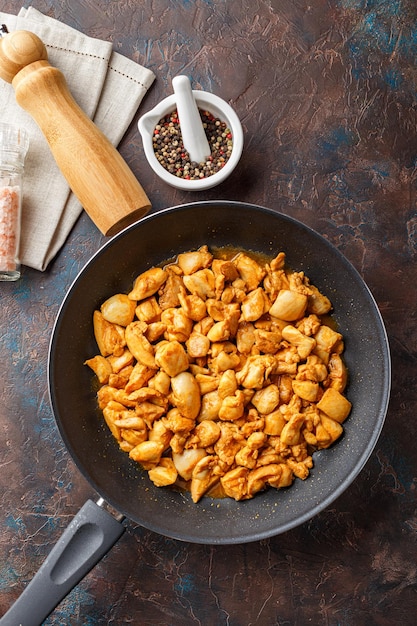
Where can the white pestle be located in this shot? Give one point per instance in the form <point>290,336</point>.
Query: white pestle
<point>193,135</point>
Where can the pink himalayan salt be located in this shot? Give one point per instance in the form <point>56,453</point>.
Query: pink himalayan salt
<point>9,227</point>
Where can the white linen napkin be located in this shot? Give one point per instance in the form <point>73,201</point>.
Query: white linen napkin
<point>108,86</point>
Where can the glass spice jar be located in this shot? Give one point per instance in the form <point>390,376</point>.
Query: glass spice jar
<point>14,144</point>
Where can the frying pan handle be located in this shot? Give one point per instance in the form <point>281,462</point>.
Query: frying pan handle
<point>90,535</point>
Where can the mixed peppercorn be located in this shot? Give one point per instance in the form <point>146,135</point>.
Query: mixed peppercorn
<point>171,154</point>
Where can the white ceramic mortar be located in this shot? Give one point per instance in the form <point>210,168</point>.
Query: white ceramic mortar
<point>205,101</point>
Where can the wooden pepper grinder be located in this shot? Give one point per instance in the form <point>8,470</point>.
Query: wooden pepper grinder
<point>93,168</point>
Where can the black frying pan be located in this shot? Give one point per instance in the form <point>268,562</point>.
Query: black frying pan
<point>118,480</point>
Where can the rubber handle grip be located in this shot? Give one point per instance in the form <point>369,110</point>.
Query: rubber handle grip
<point>90,535</point>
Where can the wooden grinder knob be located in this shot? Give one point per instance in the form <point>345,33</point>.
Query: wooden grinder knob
<point>93,168</point>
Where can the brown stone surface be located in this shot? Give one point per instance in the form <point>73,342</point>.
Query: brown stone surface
<point>326,92</point>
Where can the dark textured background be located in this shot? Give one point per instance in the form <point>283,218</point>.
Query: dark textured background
<point>327,94</point>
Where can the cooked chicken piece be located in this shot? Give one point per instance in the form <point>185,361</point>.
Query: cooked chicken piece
<point>106,393</point>
<point>148,310</point>
<point>186,394</point>
<point>101,368</point>
<point>260,477</point>
<point>337,373</point>
<point>151,394</point>
<point>232,407</point>
<point>334,405</point>
<point>229,442</point>
<point>220,331</point>
<point>128,419</point>
<point>198,345</point>
<point>227,384</point>
<point>148,283</point>
<point>310,438</point>
<point>118,309</point>
<point>278,262</point>
<point>219,285</point>
<point>326,341</point>
<point>306,389</point>
<point>168,293</point>
<point>197,368</point>
<point>327,431</point>
<point>313,369</point>
<point>120,379</point>
<point>265,323</point>
<point>147,453</point>
<point>268,456</point>
<point>205,434</point>
<point>299,282</point>
<point>111,412</point>
<point>134,436</point>
<point>309,325</point>
<point>255,304</point>
<point>110,337</point>
<point>291,433</point>
<point>274,281</point>
<point>226,269</point>
<point>248,455</point>
<point>284,480</point>
<point>204,325</point>
<point>303,343</point>
<point>149,412</point>
<point>201,283</point>
<point>195,260</point>
<point>139,377</point>
<point>289,305</point>
<point>118,363</point>
<point>193,306</point>
<point>256,371</point>
<point>154,331</point>
<point>164,473</point>
<point>223,346</point>
<point>318,303</point>
<point>210,406</point>
<point>245,337</point>
<point>206,383</point>
<point>203,477</point>
<point>274,423</point>
<point>125,446</point>
<point>267,341</point>
<point>256,440</point>
<point>287,360</point>
<point>234,483</point>
<point>219,310</point>
<point>187,460</point>
<point>160,433</point>
<point>252,423</point>
<point>178,442</point>
<point>228,294</point>
<point>239,290</point>
<point>139,345</point>
<point>266,400</point>
<point>292,407</point>
<point>224,361</point>
<point>161,382</point>
<point>171,357</point>
<point>178,324</point>
<point>177,423</point>
<point>284,382</point>
<point>249,270</point>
